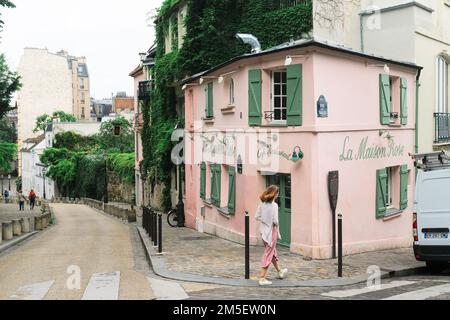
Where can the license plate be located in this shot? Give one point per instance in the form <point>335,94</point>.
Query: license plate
<point>440,235</point>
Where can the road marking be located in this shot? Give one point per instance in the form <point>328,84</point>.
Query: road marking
<point>35,291</point>
<point>423,293</point>
<point>103,286</point>
<point>167,290</point>
<point>355,292</point>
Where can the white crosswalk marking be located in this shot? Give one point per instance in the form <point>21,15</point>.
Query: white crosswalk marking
<point>167,290</point>
<point>103,286</point>
<point>422,294</point>
<point>355,292</point>
<point>35,291</point>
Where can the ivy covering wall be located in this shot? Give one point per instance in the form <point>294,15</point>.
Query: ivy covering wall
<point>211,26</point>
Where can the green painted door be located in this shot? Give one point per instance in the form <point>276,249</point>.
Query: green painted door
<point>283,181</point>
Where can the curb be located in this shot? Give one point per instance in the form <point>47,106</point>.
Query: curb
<point>157,262</point>
<point>17,241</point>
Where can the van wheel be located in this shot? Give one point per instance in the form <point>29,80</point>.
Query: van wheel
<point>435,267</point>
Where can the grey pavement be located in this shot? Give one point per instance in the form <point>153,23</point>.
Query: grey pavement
<point>11,211</point>
<point>193,256</point>
<point>98,248</point>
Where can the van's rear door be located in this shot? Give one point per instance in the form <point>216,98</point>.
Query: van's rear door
<point>433,207</point>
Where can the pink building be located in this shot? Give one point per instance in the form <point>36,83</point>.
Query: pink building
<point>142,85</point>
<point>289,116</point>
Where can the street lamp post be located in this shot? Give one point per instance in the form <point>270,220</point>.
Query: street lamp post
<point>180,205</point>
<point>44,171</point>
<point>9,182</point>
<point>2,183</point>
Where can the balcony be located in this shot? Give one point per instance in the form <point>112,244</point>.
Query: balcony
<point>145,88</point>
<point>441,127</point>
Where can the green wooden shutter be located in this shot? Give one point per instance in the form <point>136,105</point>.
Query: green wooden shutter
<point>213,183</point>
<point>254,97</point>
<point>381,193</point>
<point>231,190</point>
<point>218,184</point>
<point>209,101</point>
<point>404,101</point>
<point>295,95</point>
<point>385,99</point>
<point>203,181</point>
<point>404,187</point>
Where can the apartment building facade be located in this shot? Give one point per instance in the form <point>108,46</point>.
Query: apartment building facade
<point>413,31</point>
<point>51,82</point>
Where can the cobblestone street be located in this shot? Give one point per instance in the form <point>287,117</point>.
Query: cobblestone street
<point>189,251</point>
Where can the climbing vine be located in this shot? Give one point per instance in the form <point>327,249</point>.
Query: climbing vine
<point>211,26</point>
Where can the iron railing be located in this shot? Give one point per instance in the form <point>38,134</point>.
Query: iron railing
<point>441,127</point>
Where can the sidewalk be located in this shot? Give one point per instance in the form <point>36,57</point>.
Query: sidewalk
<point>11,211</point>
<point>196,255</point>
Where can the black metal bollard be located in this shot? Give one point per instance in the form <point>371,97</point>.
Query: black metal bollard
<point>150,224</point>
<point>159,233</point>
<point>143,219</point>
<point>155,229</point>
<point>247,245</point>
<point>340,245</point>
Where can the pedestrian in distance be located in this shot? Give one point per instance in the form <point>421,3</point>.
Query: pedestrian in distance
<point>32,198</point>
<point>22,200</point>
<point>6,196</point>
<point>267,214</point>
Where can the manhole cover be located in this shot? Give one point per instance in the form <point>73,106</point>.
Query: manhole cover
<point>195,238</point>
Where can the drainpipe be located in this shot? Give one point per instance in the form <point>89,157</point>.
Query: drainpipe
<point>361,30</point>
<point>416,148</point>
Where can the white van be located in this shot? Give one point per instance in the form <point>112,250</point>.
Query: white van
<point>431,224</point>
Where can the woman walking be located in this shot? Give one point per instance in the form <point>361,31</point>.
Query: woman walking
<point>267,214</point>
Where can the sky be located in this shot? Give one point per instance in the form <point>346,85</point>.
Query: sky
<point>109,33</point>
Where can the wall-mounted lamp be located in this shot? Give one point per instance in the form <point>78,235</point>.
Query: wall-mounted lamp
<point>188,85</point>
<point>297,155</point>
<point>385,67</point>
<point>222,76</point>
<point>202,79</point>
<point>289,59</point>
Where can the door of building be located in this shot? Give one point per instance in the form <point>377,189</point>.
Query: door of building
<point>283,181</point>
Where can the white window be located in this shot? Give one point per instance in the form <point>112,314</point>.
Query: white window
<point>231,92</point>
<point>279,95</point>
<point>441,85</point>
<point>389,187</point>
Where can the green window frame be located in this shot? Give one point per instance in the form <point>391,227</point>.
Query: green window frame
<point>382,191</point>
<point>203,181</point>
<point>216,171</point>
<point>385,99</point>
<point>404,101</point>
<point>209,94</point>
<point>295,95</point>
<point>254,97</point>
<point>231,190</point>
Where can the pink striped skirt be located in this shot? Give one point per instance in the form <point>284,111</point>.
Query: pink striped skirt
<point>270,253</point>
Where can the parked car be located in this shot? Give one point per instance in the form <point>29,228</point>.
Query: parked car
<point>431,221</point>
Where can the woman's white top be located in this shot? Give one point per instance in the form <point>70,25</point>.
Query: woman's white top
<point>267,214</point>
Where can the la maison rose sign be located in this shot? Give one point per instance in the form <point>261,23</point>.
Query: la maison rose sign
<point>369,151</point>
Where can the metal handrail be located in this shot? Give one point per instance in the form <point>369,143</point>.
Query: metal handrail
<point>441,127</point>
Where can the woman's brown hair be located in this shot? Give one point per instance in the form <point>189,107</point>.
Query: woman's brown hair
<point>270,194</point>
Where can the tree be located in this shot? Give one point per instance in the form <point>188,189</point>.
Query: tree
<point>9,83</point>
<point>43,121</point>
<point>8,132</point>
<point>8,153</point>
<point>5,4</point>
<point>116,136</point>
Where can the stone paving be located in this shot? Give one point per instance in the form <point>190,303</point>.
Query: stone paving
<point>11,211</point>
<point>192,252</point>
